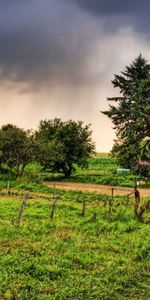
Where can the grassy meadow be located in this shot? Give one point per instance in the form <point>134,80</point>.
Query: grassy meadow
<point>102,255</point>
<point>101,169</point>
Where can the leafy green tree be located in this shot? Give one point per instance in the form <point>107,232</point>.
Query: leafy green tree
<point>16,148</point>
<point>131,112</point>
<point>61,145</point>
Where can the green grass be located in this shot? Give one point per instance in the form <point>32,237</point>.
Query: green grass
<point>101,170</point>
<point>102,161</point>
<point>72,257</point>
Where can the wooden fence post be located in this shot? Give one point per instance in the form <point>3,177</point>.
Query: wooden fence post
<point>55,197</point>
<point>94,216</point>
<point>23,205</point>
<point>139,211</point>
<point>83,208</point>
<point>112,193</point>
<point>111,200</point>
<point>53,209</point>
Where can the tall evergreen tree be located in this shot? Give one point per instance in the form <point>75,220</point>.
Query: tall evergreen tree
<point>131,112</point>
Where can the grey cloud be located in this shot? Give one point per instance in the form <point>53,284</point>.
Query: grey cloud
<point>73,47</point>
<point>50,41</point>
<point>28,54</point>
<point>116,13</point>
<point>39,43</point>
<point>114,7</point>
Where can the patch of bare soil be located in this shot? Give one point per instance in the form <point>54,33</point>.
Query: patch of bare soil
<point>95,188</point>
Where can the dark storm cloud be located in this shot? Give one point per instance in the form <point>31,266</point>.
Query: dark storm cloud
<point>116,13</point>
<point>38,42</point>
<point>49,41</point>
<point>65,52</point>
<point>114,7</point>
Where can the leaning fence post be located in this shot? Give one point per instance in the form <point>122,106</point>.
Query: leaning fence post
<point>111,200</point>
<point>53,209</point>
<point>112,193</point>
<point>94,216</point>
<point>23,205</point>
<point>83,208</point>
<point>55,197</point>
<point>138,212</point>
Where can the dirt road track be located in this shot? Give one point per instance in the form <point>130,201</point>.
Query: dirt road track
<point>96,188</point>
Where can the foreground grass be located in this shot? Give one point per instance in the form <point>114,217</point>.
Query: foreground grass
<point>73,257</point>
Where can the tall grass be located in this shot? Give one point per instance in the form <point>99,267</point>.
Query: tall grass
<point>73,257</point>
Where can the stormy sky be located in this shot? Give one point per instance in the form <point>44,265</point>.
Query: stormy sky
<point>58,57</point>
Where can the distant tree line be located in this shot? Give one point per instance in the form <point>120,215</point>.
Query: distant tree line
<point>58,146</point>
<point>130,112</point>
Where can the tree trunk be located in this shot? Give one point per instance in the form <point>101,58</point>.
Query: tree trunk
<point>67,171</point>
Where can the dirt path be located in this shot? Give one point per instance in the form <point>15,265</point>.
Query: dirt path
<point>95,188</point>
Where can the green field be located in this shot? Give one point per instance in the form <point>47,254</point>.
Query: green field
<point>101,169</point>
<point>103,255</point>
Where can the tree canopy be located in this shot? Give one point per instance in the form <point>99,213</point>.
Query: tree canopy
<point>131,112</point>
<point>58,146</point>
<point>16,148</point>
<point>61,145</point>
